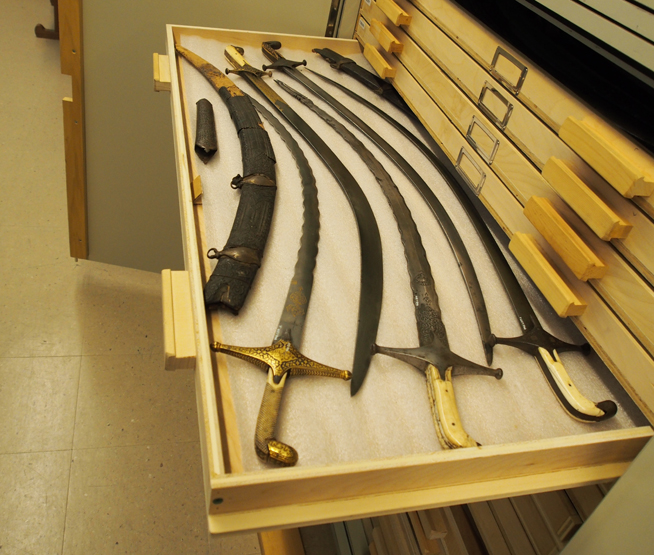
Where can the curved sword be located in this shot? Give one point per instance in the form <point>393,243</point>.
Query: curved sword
<point>535,340</point>
<point>282,358</point>
<point>371,254</point>
<point>433,356</point>
<point>443,218</point>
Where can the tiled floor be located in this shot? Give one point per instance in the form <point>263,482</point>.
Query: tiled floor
<point>99,446</point>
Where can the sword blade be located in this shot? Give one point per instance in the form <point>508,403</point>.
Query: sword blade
<point>291,322</point>
<point>534,337</point>
<point>371,254</point>
<point>443,218</point>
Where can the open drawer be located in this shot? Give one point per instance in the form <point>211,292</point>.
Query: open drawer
<point>378,457</point>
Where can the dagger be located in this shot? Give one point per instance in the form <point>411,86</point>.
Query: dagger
<point>240,259</point>
<point>544,346</point>
<point>282,358</point>
<point>270,49</point>
<point>433,356</point>
<point>370,240</point>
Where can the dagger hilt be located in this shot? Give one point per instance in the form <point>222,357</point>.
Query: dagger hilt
<point>440,364</point>
<point>546,348</point>
<point>280,359</point>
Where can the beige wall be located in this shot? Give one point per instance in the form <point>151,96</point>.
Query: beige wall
<point>132,192</point>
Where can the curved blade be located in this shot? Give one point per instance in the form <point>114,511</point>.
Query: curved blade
<point>291,323</point>
<point>371,254</point>
<point>443,218</point>
<point>534,337</point>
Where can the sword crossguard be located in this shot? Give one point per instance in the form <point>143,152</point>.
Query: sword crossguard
<point>283,62</point>
<point>546,348</point>
<point>249,69</point>
<point>440,364</point>
<point>270,48</point>
<point>281,359</point>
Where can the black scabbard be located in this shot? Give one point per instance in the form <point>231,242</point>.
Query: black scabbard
<point>240,259</point>
<point>373,82</point>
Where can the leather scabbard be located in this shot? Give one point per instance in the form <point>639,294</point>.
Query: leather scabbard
<point>240,259</point>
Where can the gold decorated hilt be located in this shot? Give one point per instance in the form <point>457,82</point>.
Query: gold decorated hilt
<point>280,359</point>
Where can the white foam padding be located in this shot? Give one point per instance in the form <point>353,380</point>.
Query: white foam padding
<point>390,416</point>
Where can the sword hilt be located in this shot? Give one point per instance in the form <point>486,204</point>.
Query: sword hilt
<point>439,364</point>
<point>280,359</point>
<point>545,347</point>
<point>270,50</point>
<point>445,413</point>
<point>267,447</point>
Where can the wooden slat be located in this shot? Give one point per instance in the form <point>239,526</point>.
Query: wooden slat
<point>433,523</point>
<point>378,62</point>
<point>386,39</point>
<point>427,546</point>
<point>536,140</point>
<point>72,63</point>
<point>281,542</point>
<point>161,70</point>
<point>592,209</point>
<point>396,14</point>
<point>549,281</point>
<point>583,262</point>
<point>610,338</point>
<point>489,529</point>
<point>633,302</point>
<point>625,176</point>
<point>544,97</point>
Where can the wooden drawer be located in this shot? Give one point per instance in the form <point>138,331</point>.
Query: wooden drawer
<point>244,496</point>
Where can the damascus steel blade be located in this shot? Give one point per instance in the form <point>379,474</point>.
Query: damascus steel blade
<point>534,336</point>
<point>434,346</point>
<point>443,218</point>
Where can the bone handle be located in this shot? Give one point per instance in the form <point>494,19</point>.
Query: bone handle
<point>267,447</point>
<point>445,412</point>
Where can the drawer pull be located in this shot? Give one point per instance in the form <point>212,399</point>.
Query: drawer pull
<point>597,215</point>
<point>161,70</point>
<point>508,106</point>
<point>540,269</point>
<point>487,157</point>
<point>396,14</point>
<point>500,55</point>
<point>179,333</point>
<point>378,62</point>
<point>583,262</point>
<point>386,39</point>
<point>624,175</point>
<point>463,153</point>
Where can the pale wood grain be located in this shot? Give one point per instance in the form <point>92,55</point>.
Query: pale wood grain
<point>591,208</point>
<point>583,262</point>
<point>386,39</point>
<point>161,70</point>
<point>378,62</point>
<point>549,281</point>
<point>396,14</point>
<point>623,174</point>
<point>281,542</point>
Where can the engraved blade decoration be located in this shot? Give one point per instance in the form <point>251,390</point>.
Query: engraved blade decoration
<point>369,237</point>
<point>270,49</point>
<point>434,356</point>
<point>535,340</point>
